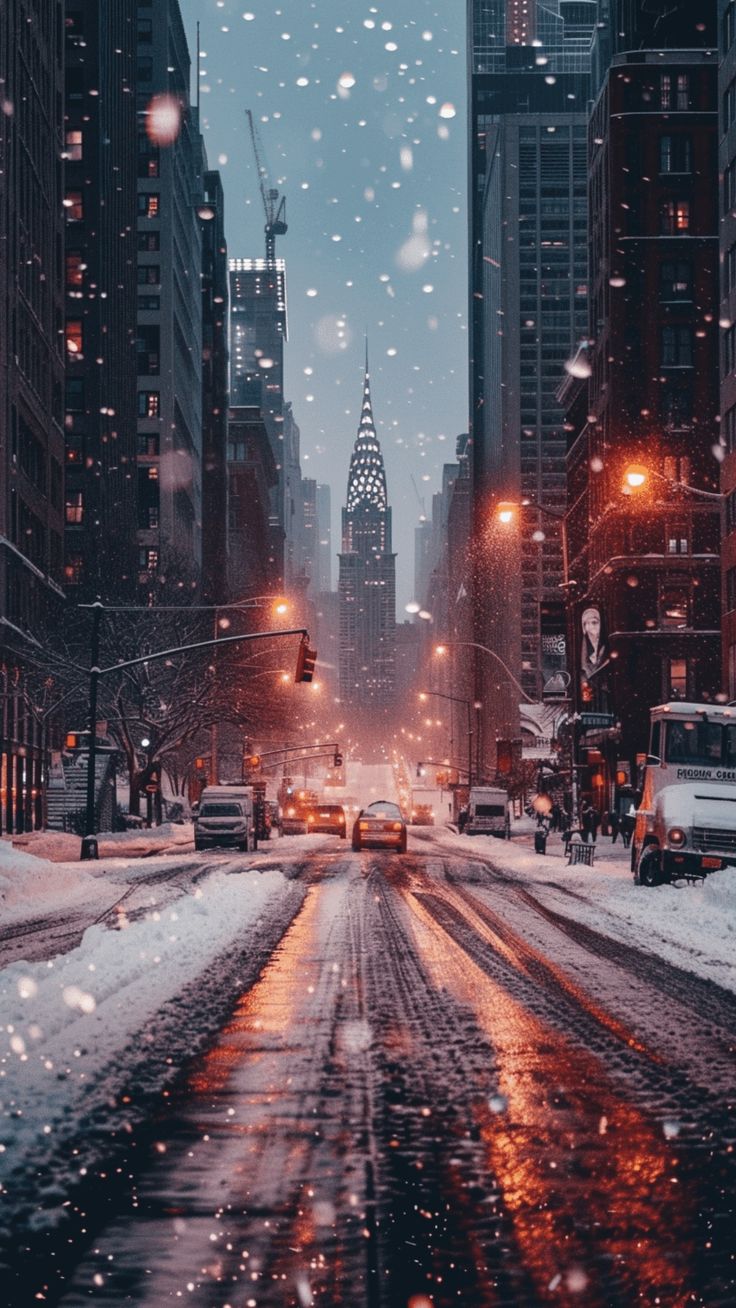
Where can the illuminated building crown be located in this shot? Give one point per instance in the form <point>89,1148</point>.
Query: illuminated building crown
<point>367,475</point>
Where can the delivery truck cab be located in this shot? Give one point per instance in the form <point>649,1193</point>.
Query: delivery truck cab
<point>686,821</point>
<point>225,818</point>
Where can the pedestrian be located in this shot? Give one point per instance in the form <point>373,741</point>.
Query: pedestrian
<point>614,822</point>
<point>595,821</point>
<point>586,822</point>
<point>628,822</point>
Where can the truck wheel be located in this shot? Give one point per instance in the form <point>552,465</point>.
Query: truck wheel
<point>650,867</point>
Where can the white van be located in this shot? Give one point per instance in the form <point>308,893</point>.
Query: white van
<point>686,821</point>
<point>488,812</point>
<point>225,817</point>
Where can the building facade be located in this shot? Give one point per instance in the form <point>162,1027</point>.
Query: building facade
<point>32,210</point>
<point>727,314</point>
<point>324,540</point>
<point>211,215</point>
<point>367,581</point>
<point>169,335</point>
<point>251,477</point>
<point>101,302</point>
<point>258,331</point>
<point>530,87</point>
<point>644,513</point>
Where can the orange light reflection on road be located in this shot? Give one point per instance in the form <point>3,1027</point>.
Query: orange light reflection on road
<point>267,1013</point>
<point>565,1215</point>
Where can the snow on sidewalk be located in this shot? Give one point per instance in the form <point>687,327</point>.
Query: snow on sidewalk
<point>109,1017</point>
<point>141,842</point>
<point>692,926</point>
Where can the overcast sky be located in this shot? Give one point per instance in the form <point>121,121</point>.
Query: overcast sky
<point>361,111</point>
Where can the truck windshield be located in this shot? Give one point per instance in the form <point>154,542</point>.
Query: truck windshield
<point>701,744</point>
<point>220,810</point>
<point>489,810</point>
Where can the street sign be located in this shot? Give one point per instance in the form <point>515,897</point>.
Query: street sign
<point>598,721</point>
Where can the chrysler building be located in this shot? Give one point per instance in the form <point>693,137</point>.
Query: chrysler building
<point>367,586</point>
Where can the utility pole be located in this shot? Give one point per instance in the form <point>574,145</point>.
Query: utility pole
<point>89,843</point>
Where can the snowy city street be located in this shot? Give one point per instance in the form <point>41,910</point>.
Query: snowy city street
<point>368,654</point>
<point>308,1075</point>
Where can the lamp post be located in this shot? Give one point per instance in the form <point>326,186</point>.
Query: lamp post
<point>89,844</point>
<point>637,475</point>
<point>507,509</point>
<point>456,699</point>
<point>506,512</point>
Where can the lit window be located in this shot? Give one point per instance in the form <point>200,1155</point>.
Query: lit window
<point>74,508</point>
<point>74,205</point>
<point>74,337</point>
<point>675,217</point>
<point>74,268</point>
<point>74,144</point>
<point>149,404</point>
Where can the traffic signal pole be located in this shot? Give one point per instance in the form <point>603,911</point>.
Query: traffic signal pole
<point>89,844</point>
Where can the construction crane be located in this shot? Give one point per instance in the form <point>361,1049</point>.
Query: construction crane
<point>420,500</point>
<point>274,206</point>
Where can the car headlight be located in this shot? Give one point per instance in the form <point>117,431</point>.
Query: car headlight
<point>676,836</point>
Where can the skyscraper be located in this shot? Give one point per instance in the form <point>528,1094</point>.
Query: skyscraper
<point>170,171</point>
<point>645,566</point>
<point>530,86</point>
<point>31,382</point>
<point>214,389</point>
<point>324,544</point>
<point>100,264</point>
<point>367,584</point>
<point>258,330</point>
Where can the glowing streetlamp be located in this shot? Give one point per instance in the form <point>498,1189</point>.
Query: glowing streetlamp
<point>636,476</point>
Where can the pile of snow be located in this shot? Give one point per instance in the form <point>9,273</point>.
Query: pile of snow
<point>79,1032</point>
<point>692,926</point>
<point>34,885</point>
<point>63,847</point>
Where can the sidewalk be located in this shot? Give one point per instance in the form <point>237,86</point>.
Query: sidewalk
<point>613,855</point>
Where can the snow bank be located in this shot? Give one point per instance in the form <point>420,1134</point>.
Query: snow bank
<point>693,926</point>
<point>33,885</point>
<point>80,1031</point>
<point>63,847</point>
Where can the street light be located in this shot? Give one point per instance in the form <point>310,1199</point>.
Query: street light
<point>456,699</point>
<point>636,477</point>
<point>506,511</point>
<point>444,646</point>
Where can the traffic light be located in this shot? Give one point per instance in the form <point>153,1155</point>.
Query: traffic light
<point>305,661</point>
<point>253,760</point>
<point>337,761</point>
<point>73,740</point>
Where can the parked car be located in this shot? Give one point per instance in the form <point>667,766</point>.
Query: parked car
<point>225,817</point>
<point>380,825</point>
<point>329,819</point>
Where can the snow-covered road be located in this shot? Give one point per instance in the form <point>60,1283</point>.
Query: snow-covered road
<point>464,1075</point>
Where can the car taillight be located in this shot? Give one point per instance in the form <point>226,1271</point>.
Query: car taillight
<point>396,826</point>
<point>362,826</point>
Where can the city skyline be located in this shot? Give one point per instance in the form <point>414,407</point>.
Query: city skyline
<point>419,369</point>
